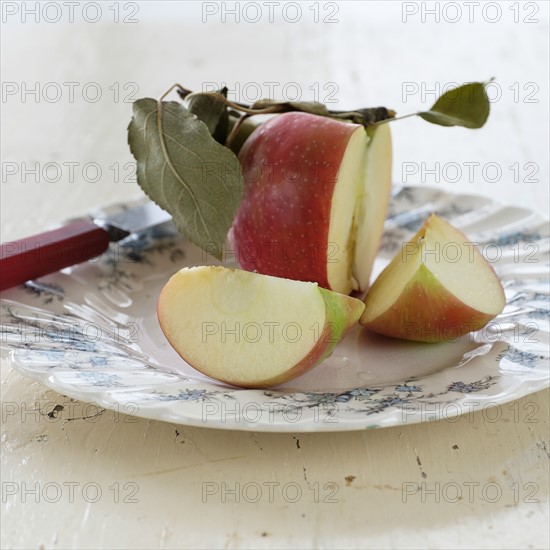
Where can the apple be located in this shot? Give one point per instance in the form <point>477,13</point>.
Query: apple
<point>252,330</point>
<point>315,200</point>
<point>437,288</point>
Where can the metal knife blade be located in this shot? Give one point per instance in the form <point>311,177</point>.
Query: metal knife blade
<point>132,220</point>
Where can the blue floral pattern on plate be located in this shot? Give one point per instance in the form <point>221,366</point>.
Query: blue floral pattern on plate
<point>90,332</point>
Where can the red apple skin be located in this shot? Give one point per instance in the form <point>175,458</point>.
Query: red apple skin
<point>427,312</point>
<point>290,166</point>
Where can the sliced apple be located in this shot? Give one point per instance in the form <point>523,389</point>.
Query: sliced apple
<point>252,330</point>
<point>373,202</point>
<point>315,200</point>
<point>438,287</point>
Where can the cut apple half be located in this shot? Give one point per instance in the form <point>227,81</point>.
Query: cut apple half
<point>438,287</point>
<point>252,330</point>
<point>315,200</point>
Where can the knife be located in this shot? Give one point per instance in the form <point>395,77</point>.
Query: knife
<point>71,244</point>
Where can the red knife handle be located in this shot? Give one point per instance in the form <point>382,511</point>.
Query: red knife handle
<point>49,252</point>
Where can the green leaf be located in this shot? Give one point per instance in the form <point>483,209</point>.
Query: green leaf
<point>466,106</point>
<point>212,111</point>
<point>185,171</point>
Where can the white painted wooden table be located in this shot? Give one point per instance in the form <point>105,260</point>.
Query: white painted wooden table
<point>159,485</point>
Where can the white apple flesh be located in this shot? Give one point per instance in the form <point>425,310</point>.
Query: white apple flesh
<point>438,287</point>
<point>252,330</point>
<point>315,200</point>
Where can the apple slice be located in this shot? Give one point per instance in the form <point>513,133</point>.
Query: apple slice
<point>438,287</point>
<point>252,330</point>
<point>373,202</point>
<point>315,200</point>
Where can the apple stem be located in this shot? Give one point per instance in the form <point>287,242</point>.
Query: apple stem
<point>235,129</point>
<point>385,121</point>
<point>185,93</point>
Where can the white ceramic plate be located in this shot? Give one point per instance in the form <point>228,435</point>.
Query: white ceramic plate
<point>91,333</point>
